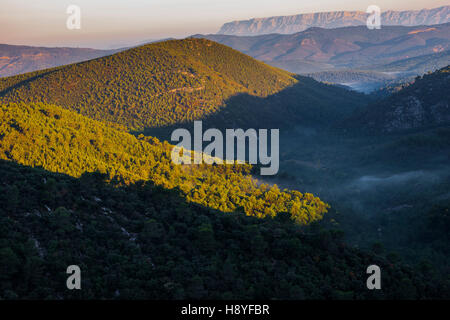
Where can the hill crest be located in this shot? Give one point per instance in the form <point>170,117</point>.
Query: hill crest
<point>152,85</point>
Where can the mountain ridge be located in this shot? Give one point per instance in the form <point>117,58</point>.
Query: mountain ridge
<point>320,49</point>
<point>18,59</point>
<point>333,19</point>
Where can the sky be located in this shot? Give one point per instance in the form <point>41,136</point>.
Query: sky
<point>116,23</point>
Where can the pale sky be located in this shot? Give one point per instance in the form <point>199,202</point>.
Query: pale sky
<point>114,23</point>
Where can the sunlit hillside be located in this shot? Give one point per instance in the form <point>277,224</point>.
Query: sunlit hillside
<point>63,141</point>
<point>153,85</point>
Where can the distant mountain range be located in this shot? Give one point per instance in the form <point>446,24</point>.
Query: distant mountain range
<point>319,49</point>
<point>20,59</point>
<point>313,50</point>
<point>418,65</point>
<point>385,78</point>
<point>336,19</point>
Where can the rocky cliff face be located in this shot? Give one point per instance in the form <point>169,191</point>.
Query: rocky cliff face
<point>300,22</point>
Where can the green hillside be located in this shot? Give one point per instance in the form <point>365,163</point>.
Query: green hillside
<point>153,85</point>
<point>63,141</point>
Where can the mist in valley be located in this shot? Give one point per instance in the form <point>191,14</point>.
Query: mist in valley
<point>375,196</point>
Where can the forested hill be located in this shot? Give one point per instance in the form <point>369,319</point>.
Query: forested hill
<point>178,81</point>
<point>153,85</point>
<point>62,141</point>
<point>423,104</point>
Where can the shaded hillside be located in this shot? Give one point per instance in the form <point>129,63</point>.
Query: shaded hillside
<point>423,104</point>
<point>153,85</point>
<point>22,59</point>
<point>65,142</point>
<point>308,103</point>
<point>144,242</point>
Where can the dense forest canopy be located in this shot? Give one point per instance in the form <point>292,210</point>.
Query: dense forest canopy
<point>144,242</point>
<point>153,85</point>
<point>63,141</point>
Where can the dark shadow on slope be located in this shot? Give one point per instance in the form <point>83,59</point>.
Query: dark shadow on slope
<point>26,80</point>
<point>308,102</point>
